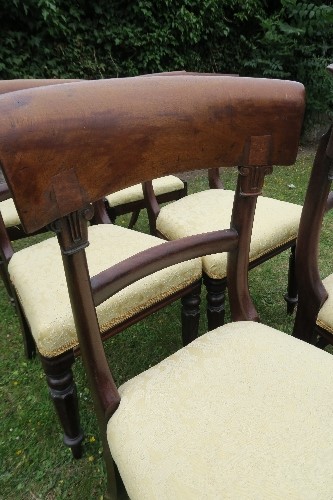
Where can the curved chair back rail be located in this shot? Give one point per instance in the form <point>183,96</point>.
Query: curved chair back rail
<point>7,86</point>
<point>71,133</point>
<point>24,83</point>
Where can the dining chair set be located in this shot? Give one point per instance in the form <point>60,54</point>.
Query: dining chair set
<point>242,411</point>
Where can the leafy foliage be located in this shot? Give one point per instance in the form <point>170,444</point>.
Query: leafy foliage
<point>46,38</point>
<point>296,42</point>
<point>107,38</point>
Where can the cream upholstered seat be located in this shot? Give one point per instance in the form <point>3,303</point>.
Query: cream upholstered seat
<point>37,269</point>
<point>48,325</point>
<point>131,199</point>
<point>161,185</point>
<point>275,229</point>
<point>9,213</point>
<point>275,223</point>
<point>260,425</point>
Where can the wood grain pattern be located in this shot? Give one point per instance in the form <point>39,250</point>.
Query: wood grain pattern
<point>125,131</point>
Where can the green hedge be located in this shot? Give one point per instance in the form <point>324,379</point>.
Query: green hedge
<point>106,38</point>
<point>91,39</point>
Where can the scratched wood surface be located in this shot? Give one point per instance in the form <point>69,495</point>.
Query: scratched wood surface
<point>92,138</point>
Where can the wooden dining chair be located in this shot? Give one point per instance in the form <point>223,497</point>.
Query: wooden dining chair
<point>314,316</point>
<point>124,201</point>
<point>242,411</point>
<point>48,325</point>
<point>274,231</point>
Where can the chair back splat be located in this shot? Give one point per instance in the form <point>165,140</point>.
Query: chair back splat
<point>64,147</point>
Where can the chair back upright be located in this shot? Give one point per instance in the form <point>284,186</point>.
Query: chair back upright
<point>318,200</point>
<point>64,147</point>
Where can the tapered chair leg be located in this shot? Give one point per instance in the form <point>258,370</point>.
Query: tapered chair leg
<point>4,277</point>
<point>191,314</point>
<point>63,393</point>
<point>291,297</point>
<point>322,343</point>
<point>215,301</point>
<point>134,218</point>
<point>28,340</point>
<point>115,486</point>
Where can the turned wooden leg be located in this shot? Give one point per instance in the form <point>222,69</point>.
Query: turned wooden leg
<point>191,314</point>
<point>291,295</point>
<point>215,301</point>
<point>64,396</point>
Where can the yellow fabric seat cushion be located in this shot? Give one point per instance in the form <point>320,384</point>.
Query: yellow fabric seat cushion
<point>161,185</point>
<point>37,270</point>
<point>9,213</point>
<point>325,315</point>
<point>276,222</point>
<point>243,413</point>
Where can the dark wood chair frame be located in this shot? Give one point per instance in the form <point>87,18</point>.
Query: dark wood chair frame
<point>16,232</point>
<point>318,201</point>
<point>64,195</point>
<point>58,369</point>
<point>216,288</point>
<point>104,214</point>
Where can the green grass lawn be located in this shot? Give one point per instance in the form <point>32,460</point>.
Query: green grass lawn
<point>34,464</point>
